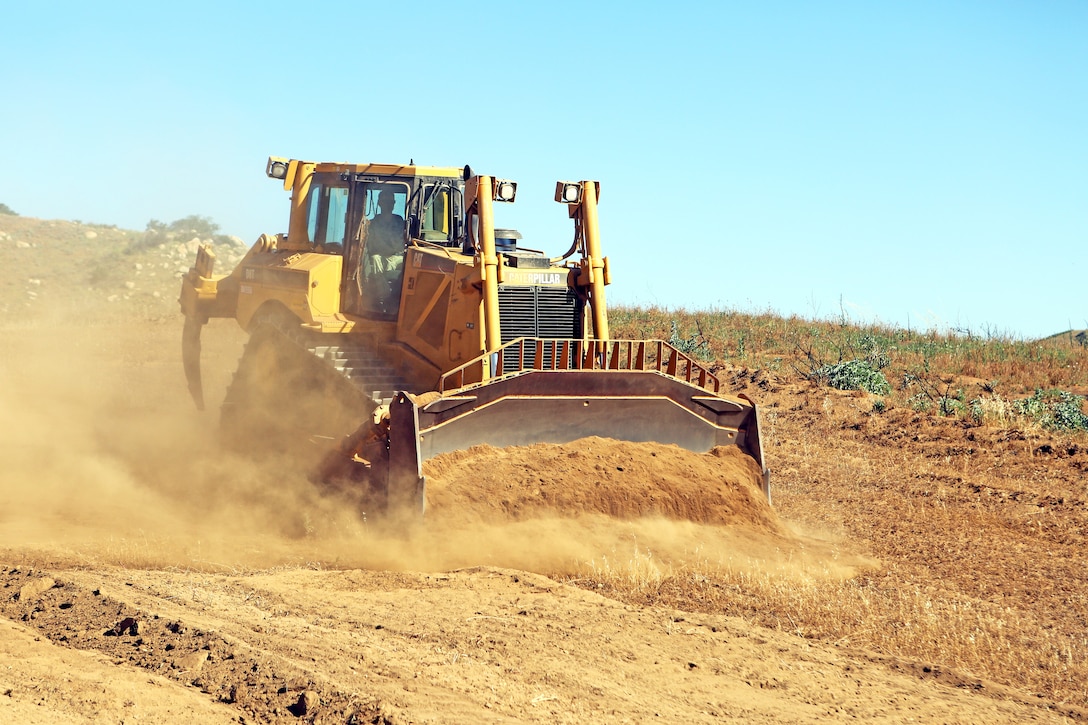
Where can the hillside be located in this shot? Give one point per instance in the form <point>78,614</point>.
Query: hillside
<point>55,264</point>
<point>921,562</point>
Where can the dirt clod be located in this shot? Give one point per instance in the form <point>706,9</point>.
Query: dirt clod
<point>307,704</point>
<point>33,589</point>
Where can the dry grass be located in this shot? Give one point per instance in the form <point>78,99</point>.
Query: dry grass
<point>979,522</point>
<point>768,341</point>
<point>891,612</point>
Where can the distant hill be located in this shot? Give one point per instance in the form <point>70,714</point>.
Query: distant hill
<point>56,264</point>
<point>1073,337</point>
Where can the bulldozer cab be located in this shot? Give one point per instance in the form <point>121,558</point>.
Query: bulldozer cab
<point>371,220</point>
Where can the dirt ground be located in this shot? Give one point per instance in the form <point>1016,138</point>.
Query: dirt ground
<point>149,576</point>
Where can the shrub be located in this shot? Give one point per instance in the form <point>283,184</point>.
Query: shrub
<point>179,230</point>
<point>1054,409</point>
<point>1067,413</point>
<point>854,375</point>
<point>5,209</point>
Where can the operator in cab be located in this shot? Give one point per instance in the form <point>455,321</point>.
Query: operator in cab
<point>385,250</point>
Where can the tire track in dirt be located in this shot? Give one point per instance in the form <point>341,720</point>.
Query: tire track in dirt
<point>263,687</point>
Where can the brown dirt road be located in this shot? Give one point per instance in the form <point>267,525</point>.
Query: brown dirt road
<point>149,577</point>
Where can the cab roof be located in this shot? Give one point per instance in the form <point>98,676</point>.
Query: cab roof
<point>386,169</point>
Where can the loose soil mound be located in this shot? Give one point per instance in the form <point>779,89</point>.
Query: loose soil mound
<point>599,476</point>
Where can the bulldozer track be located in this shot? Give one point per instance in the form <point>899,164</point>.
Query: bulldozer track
<point>281,365</point>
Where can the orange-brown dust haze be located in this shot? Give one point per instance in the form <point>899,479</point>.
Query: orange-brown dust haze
<point>106,461</point>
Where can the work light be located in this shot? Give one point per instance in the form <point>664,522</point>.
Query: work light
<point>505,190</point>
<point>568,192</point>
<point>277,168</point>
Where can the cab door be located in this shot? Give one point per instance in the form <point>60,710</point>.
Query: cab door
<point>374,263</point>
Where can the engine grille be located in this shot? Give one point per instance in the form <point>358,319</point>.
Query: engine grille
<point>548,312</point>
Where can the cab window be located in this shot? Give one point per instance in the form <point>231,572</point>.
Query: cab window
<point>437,215</point>
<point>326,215</point>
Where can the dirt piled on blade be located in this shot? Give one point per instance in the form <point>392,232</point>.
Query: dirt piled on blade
<point>599,476</point>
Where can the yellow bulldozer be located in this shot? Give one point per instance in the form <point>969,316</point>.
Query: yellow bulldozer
<point>393,322</point>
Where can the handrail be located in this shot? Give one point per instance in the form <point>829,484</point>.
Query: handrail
<point>564,354</point>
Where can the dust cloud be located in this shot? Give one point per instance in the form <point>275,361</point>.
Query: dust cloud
<point>106,461</point>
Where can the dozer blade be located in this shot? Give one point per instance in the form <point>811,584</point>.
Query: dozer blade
<point>560,407</point>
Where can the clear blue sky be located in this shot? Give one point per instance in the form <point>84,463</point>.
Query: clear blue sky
<point>921,163</point>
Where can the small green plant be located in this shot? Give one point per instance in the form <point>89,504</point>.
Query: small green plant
<point>697,346</point>
<point>920,402</point>
<point>880,405</point>
<point>1054,409</point>
<point>948,405</point>
<point>5,209</point>
<point>934,393</point>
<point>876,353</point>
